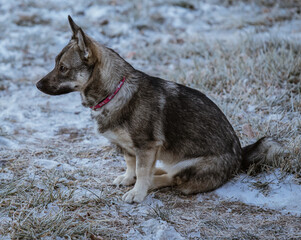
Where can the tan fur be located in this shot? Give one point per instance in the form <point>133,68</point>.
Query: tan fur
<point>129,177</point>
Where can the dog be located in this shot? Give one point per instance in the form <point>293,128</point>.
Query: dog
<point>152,119</point>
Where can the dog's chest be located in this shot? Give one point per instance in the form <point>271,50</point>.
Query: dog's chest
<point>102,120</point>
<point>121,138</point>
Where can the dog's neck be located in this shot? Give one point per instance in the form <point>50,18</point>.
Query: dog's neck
<point>105,77</point>
<point>109,98</point>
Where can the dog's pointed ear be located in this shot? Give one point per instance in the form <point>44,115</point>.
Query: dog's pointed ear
<point>82,42</point>
<point>80,37</point>
<point>73,26</point>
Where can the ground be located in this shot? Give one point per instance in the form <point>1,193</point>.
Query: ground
<point>56,173</point>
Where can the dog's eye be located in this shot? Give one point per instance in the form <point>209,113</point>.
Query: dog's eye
<point>63,69</point>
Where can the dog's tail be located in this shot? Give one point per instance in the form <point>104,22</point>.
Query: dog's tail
<point>263,151</point>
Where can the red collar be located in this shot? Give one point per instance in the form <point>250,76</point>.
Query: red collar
<point>110,97</point>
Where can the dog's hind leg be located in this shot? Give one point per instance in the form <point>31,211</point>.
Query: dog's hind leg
<point>129,177</point>
<point>207,175</point>
<point>160,181</point>
<point>159,171</point>
<point>145,167</point>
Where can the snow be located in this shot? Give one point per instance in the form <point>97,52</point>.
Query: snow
<point>6,174</point>
<point>44,163</point>
<point>82,193</point>
<point>153,229</point>
<point>283,195</point>
<point>50,209</point>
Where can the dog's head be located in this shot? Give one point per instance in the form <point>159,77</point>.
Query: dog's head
<point>73,65</point>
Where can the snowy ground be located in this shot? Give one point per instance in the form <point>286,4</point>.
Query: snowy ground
<point>56,174</point>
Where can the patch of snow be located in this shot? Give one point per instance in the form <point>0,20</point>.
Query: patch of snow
<point>152,201</point>
<point>40,185</point>
<point>6,174</point>
<point>99,11</point>
<point>117,29</point>
<point>65,167</point>
<point>7,143</point>
<point>154,229</point>
<point>47,164</point>
<point>274,117</point>
<point>195,235</point>
<point>82,193</point>
<point>145,207</point>
<point>50,209</point>
<point>251,108</point>
<point>284,195</point>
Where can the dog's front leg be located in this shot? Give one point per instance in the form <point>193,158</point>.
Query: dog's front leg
<point>129,177</point>
<point>145,162</point>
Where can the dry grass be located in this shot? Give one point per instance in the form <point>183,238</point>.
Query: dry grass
<point>45,204</point>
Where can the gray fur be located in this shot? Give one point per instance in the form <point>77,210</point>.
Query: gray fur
<point>151,119</point>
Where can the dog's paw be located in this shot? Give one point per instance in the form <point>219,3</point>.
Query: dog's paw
<point>124,180</point>
<point>133,196</point>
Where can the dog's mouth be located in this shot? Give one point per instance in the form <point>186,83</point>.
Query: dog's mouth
<point>52,90</point>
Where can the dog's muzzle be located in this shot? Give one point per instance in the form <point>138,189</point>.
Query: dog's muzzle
<point>39,85</point>
<point>44,87</point>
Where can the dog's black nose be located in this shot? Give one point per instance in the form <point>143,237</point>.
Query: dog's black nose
<point>39,85</point>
